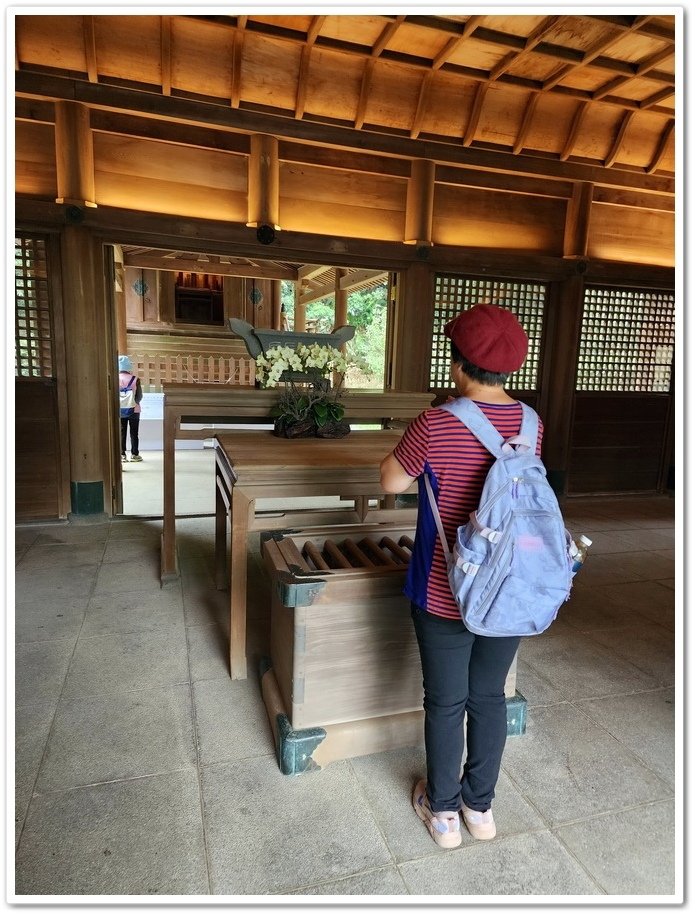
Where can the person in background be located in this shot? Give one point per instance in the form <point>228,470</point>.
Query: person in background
<point>131,394</point>
<point>462,672</point>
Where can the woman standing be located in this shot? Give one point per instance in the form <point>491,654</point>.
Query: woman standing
<point>131,394</point>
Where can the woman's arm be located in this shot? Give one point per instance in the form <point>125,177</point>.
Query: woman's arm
<point>393,477</point>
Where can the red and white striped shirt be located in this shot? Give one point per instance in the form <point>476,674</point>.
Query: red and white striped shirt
<point>440,445</point>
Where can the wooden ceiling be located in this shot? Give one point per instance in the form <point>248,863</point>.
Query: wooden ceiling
<point>525,94</point>
<point>316,280</point>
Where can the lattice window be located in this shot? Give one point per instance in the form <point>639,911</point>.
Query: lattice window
<point>626,341</point>
<point>33,347</point>
<point>454,294</point>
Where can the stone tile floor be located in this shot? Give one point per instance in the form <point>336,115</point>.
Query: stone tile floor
<point>142,769</point>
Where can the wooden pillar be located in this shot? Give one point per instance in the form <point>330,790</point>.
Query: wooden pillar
<point>120,301</point>
<point>74,155</point>
<point>276,302</point>
<point>577,225</point>
<point>418,228</point>
<point>165,296</point>
<point>560,359</point>
<point>87,375</point>
<point>300,308</point>
<point>413,329</point>
<point>263,198</point>
<point>340,302</point>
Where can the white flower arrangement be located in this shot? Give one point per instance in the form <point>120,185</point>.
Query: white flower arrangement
<point>310,401</point>
<point>315,361</point>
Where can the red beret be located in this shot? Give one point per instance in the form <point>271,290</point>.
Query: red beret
<point>490,337</point>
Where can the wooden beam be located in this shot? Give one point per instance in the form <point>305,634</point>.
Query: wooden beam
<point>270,270</point>
<point>309,271</point>
<point>352,280</point>
<point>90,48</point>
<point>665,140</point>
<point>340,301</point>
<point>364,93</point>
<point>174,108</point>
<point>526,122</point>
<point>166,53</point>
<point>616,148</point>
<point>641,69</point>
<point>315,28</point>
<point>475,114</point>
<point>656,98</point>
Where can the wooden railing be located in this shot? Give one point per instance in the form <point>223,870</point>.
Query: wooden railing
<point>159,369</point>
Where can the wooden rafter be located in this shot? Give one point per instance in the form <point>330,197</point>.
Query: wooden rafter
<point>578,118</point>
<point>616,147</point>
<point>386,36</point>
<point>90,48</point>
<point>534,38</point>
<point>364,92</point>
<point>526,122</point>
<point>475,114</point>
<point>237,49</point>
<point>303,75</point>
<point>662,145</point>
<point>309,271</point>
<point>641,69</point>
<point>203,264</point>
<point>454,43</point>
<point>315,27</point>
<point>421,106</point>
<point>655,99</point>
<point>590,55</point>
<point>166,54</point>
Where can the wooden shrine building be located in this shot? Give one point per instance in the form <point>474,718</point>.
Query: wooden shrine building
<point>526,160</point>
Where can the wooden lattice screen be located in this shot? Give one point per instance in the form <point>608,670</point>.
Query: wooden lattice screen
<point>626,341</point>
<point>455,294</point>
<point>33,345</point>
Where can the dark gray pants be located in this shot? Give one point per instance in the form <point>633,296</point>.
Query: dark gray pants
<point>462,673</point>
<point>133,422</point>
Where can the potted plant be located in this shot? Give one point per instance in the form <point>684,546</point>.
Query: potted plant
<point>313,384</point>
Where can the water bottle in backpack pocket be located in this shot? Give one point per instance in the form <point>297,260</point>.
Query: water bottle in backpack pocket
<point>510,570</point>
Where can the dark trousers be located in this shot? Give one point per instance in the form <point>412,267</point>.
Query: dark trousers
<point>462,673</point>
<point>134,422</point>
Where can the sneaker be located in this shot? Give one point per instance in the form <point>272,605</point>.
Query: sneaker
<point>480,824</point>
<point>443,826</point>
<point>124,457</point>
<point>136,458</point>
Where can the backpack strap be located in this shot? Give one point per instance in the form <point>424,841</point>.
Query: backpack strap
<point>479,425</point>
<point>464,565</point>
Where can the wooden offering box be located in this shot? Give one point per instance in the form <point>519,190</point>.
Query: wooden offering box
<point>344,677</point>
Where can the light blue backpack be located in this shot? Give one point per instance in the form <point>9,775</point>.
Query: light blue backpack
<point>510,570</point>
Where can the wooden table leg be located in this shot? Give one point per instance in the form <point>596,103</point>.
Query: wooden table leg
<point>241,506</point>
<point>169,568</point>
<point>222,511</point>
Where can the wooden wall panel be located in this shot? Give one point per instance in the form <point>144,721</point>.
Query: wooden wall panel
<point>551,124</point>
<point>37,460</point>
<point>446,105</point>
<point>393,96</point>
<point>149,195</point>
<point>617,443</point>
<point>638,236</point>
<point>333,84</point>
<point>220,343</point>
<point>334,202</point>
<point>501,114</point>
<point>35,160</point>
<point>487,219</point>
<point>64,35</point>
<point>599,126</point>
<point>201,57</point>
<point>130,40</point>
<point>269,71</point>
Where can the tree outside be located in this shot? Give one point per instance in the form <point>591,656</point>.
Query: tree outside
<point>367,311</point>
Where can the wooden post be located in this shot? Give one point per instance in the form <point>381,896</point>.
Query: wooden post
<point>577,225</point>
<point>120,301</point>
<point>413,328</point>
<point>560,359</point>
<point>74,155</point>
<point>340,302</point>
<point>276,302</point>
<point>300,308</point>
<point>263,200</point>
<point>87,375</point>
<point>419,203</point>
